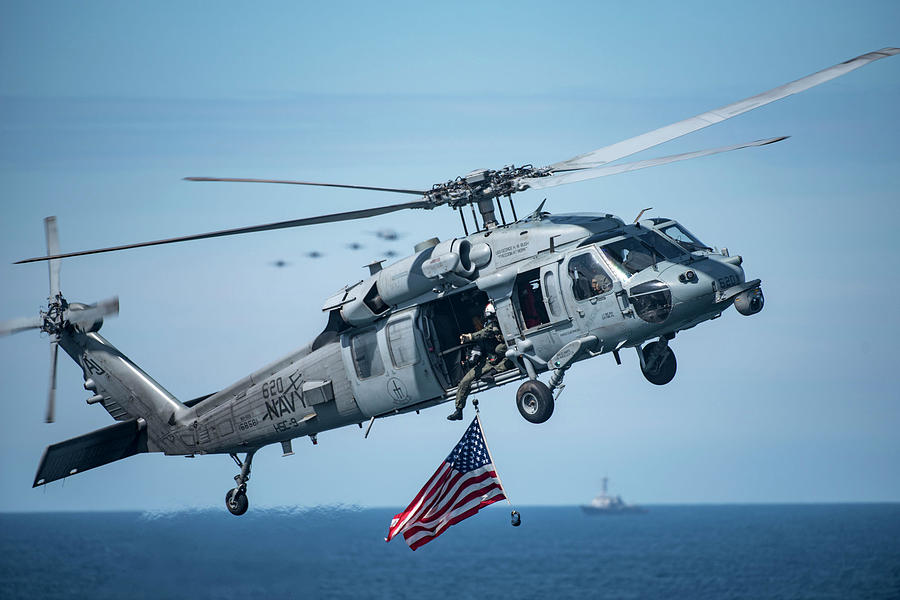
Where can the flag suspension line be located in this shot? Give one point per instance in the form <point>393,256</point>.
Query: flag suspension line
<point>515,517</point>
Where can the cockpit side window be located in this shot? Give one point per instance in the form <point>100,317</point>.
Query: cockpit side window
<point>634,254</point>
<point>589,278</point>
<point>683,237</point>
<point>662,246</point>
<point>630,255</point>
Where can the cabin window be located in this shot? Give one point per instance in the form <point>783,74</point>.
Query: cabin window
<point>550,288</point>
<point>531,299</point>
<point>589,278</point>
<point>402,343</point>
<point>366,356</point>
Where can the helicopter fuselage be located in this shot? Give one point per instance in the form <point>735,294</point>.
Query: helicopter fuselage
<point>589,283</point>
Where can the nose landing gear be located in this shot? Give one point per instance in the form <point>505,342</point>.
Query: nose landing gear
<point>236,499</point>
<point>657,362</point>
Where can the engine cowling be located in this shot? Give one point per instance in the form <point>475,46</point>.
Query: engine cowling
<point>449,261</point>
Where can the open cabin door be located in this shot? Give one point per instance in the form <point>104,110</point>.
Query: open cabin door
<point>443,321</point>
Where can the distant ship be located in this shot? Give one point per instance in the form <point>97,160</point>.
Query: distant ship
<point>604,504</point>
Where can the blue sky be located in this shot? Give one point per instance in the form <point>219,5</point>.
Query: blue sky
<point>106,106</point>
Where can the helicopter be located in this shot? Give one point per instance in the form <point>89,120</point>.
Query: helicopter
<point>565,288</point>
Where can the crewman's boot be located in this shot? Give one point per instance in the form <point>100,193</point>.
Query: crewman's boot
<point>456,416</point>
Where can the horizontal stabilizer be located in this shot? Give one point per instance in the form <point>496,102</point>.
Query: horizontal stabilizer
<point>91,450</point>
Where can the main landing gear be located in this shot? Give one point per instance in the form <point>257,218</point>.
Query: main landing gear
<point>535,401</point>
<point>657,362</point>
<point>236,499</point>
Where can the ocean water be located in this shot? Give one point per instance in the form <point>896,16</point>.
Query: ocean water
<point>696,552</point>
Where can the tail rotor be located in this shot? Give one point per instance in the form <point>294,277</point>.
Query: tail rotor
<point>51,395</point>
<point>59,315</point>
<point>52,234</point>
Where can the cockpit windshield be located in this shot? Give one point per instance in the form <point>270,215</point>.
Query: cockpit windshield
<point>634,254</point>
<point>683,237</point>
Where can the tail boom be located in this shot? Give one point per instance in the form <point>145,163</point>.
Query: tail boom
<point>127,392</point>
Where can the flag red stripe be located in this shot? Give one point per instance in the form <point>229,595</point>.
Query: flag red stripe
<point>430,525</point>
<point>451,500</point>
<point>445,488</point>
<point>442,471</point>
<point>424,540</point>
<point>403,518</point>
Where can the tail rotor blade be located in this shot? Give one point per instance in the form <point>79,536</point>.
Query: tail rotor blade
<point>51,396</point>
<point>52,235</point>
<point>21,324</point>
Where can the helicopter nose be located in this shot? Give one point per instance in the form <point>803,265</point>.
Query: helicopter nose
<point>695,286</point>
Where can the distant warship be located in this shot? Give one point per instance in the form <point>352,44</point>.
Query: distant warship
<point>604,504</point>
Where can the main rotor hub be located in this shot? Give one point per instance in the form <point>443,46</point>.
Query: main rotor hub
<point>481,187</point>
<point>482,184</point>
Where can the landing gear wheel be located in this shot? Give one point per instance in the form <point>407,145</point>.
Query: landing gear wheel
<point>659,363</point>
<point>236,502</point>
<point>535,401</point>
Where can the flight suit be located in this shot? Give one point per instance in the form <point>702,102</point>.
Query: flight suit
<point>493,356</point>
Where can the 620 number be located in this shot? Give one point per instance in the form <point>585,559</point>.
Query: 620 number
<point>273,388</point>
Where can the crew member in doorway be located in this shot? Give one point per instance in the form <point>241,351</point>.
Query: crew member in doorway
<point>489,355</point>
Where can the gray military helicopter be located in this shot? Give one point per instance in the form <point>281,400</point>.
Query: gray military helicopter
<point>565,287</point>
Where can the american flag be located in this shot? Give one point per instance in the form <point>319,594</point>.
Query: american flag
<point>465,483</point>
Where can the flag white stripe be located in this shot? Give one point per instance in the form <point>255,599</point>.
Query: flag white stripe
<point>461,489</point>
<point>425,498</point>
<point>446,495</point>
<point>444,522</point>
<point>437,517</point>
<point>439,526</point>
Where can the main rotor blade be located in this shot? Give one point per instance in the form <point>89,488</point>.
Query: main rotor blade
<point>21,324</point>
<point>110,306</point>
<point>335,185</point>
<point>670,132</point>
<point>51,395</point>
<point>332,218</point>
<point>52,234</point>
<point>538,183</point>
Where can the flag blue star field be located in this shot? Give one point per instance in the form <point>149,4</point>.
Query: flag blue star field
<point>465,483</point>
